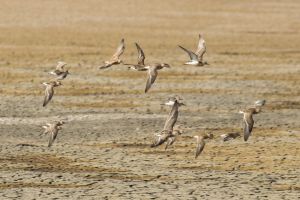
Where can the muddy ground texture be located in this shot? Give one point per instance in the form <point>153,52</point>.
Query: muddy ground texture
<point>103,151</point>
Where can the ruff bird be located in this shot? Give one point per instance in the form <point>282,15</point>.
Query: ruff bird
<point>153,72</point>
<point>49,91</point>
<point>115,59</point>
<point>196,58</point>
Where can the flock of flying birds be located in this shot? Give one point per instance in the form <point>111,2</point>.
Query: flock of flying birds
<point>170,131</point>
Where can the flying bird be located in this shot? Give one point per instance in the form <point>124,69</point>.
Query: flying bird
<point>115,59</point>
<point>140,66</point>
<point>152,73</point>
<point>60,72</point>
<point>49,91</point>
<point>248,117</point>
<point>229,136</point>
<point>167,131</point>
<point>196,58</point>
<point>52,130</point>
<point>200,145</point>
<point>171,101</point>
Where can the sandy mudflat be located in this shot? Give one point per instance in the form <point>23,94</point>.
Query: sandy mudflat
<point>103,151</point>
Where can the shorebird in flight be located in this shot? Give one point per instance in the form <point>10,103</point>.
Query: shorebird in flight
<point>115,59</point>
<point>167,131</point>
<point>140,66</point>
<point>229,136</point>
<point>171,101</point>
<point>152,73</point>
<point>208,136</point>
<point>196,58</point>
<point>200,145</point>
<point>248,117</point>
<point>49,91</point>
<point>60,72</point>
<point>52,130</point>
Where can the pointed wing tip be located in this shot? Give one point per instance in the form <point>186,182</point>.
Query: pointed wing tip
<point>153,145</point>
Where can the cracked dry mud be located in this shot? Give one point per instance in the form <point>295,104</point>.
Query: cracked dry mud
<point>103,151</point>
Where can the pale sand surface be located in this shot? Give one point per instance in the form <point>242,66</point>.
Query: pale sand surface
<point>103,151</point>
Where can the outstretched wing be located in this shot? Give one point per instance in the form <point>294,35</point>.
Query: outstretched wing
<point>199,148</point>
<point>172,118</point>
<point>160,139</point>
<point>152,74</point>
<point>170,141</point>
<point>49,91</point>
<point>193,57</point>
<point>141,55</point>
<point>106,65</point>
<point>248,125</point>
<point>52,137</point>
<point>201,48</point>
<point>120,50</point>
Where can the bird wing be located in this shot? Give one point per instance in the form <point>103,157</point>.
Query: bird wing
<point>170,141</point>
<point>60,66</point>
<point>201,48</point>
<point>152,74</point>
<point>120,50</point>
<point>106,65</point>
<point>141,55</point>
<point>53,136</point>
<point>260,102</point>
<point>49,91</point>
<point>193,56</point>
<point>248,125</point>
<point>45,131</point>
<point>199,148</point>
<point>161,138</point>
<point>172,118</point>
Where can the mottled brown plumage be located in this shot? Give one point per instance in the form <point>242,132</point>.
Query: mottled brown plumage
<point>152,73</point>
<point>197,57</point>
<point>49,91</point>
<point>248,120</point>
<point>167,131</point>
<point>115,59</point>
<point>199,145</point>
<point>52,130</point>
<point>140,66</point>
